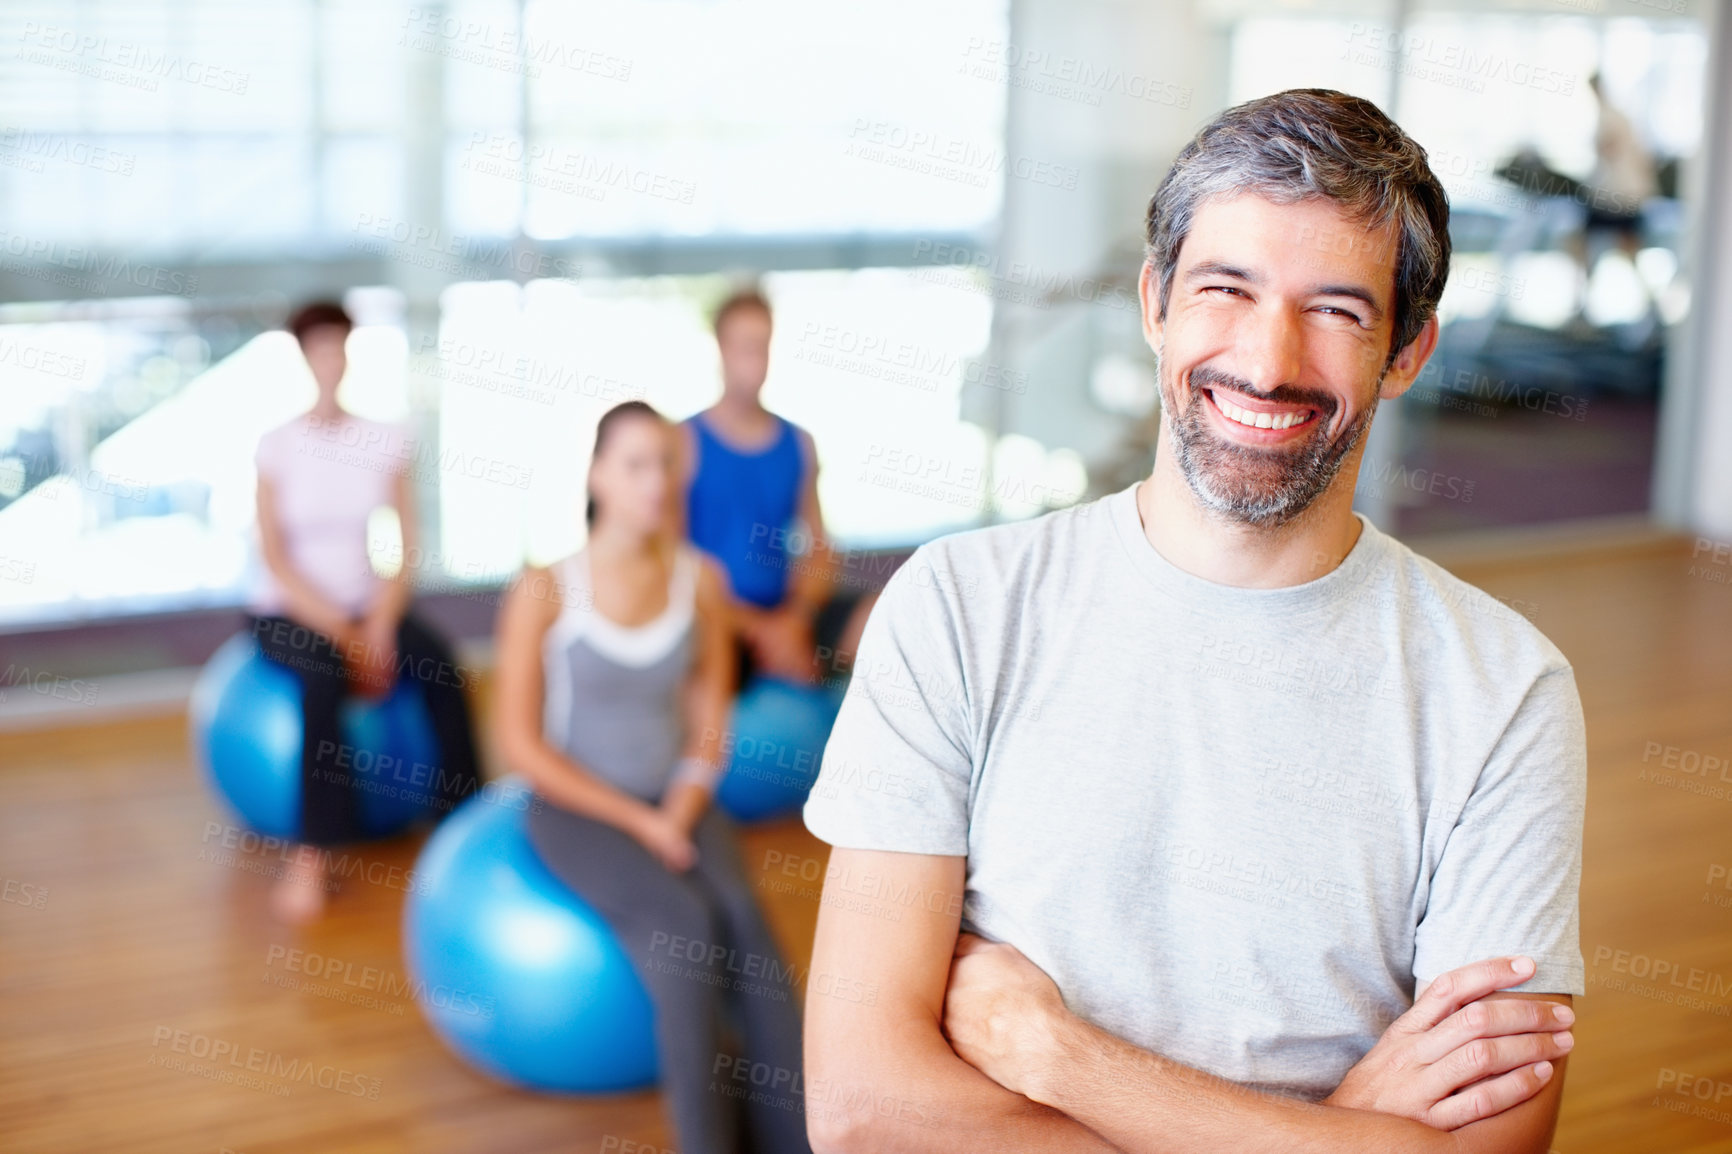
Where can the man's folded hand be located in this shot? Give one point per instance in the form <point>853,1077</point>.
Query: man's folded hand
<point>1459,1055</point>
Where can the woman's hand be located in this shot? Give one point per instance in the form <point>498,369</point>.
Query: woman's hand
<point>371,657</point>
<point>663,837</point>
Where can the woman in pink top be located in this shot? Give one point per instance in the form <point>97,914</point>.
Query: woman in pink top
<point>325,615</point>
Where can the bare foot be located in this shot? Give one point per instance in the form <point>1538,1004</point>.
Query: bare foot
<point>299,895</point>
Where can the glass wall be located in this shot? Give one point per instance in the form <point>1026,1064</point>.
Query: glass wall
<point>531,206</point>
<point>200,128</point>
<point>485,184</point>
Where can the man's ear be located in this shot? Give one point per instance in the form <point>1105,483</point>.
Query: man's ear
<point>1405,369</point>
<point>1148,296</point>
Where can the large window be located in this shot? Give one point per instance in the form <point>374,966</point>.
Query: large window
<point>175,175</point>
<point>129,484</point>
<point>192,128</point>
<point>698,117</point>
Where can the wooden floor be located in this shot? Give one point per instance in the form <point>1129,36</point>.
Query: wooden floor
<point>120,924</point>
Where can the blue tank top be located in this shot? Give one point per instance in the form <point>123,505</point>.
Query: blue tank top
<point>736,503</point>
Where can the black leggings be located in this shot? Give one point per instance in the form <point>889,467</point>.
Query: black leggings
<point>329,805</point>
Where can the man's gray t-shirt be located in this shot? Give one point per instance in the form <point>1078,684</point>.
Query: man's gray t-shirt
<point>1234,825</point>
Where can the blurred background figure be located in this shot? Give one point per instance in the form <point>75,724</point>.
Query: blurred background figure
<point>1624,177</point>
<point>323,613</point>
<point>614,672</point>
<point>751,501</point>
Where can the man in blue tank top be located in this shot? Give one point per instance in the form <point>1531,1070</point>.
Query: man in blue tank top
<point>751,501</point>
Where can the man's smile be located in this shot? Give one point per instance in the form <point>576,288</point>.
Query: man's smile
<point>1259,421</point>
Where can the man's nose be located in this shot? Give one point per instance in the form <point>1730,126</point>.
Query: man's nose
<point>1270,347</point>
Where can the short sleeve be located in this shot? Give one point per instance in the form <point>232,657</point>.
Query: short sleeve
<point>1509,878</point>
<point>896,770</point>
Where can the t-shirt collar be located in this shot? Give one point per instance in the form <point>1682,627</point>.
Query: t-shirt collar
<point>1200,592</point>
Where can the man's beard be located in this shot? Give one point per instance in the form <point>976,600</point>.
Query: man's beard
<point>1261,487</point>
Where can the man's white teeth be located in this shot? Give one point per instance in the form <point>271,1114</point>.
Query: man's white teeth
<point>1257,420</point>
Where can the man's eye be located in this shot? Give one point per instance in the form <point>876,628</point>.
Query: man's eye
<point>1354,317</point>
<point>1222,288</point>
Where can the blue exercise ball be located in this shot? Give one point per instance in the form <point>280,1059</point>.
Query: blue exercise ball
<point>518,975</point>
<point>778,730</point>
<point>246,731</point>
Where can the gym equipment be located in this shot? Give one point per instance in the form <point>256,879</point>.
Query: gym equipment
<point>246,731</point>
<point>777,733</point>
<point>516,974</point>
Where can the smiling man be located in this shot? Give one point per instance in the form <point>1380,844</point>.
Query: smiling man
<point>1206,816</point>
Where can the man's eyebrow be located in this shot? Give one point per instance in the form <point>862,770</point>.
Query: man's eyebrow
<point>1214,268</point>
<point>1208,268</point>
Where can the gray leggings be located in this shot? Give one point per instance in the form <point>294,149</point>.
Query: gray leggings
<point>704,953</point>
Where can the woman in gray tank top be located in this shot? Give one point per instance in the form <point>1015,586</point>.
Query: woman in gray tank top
<point>614,674</point>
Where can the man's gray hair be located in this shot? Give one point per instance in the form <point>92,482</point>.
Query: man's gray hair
<point>1307,143</point>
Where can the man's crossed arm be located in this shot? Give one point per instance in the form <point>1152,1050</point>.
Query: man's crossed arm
<point>894,1065</point>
